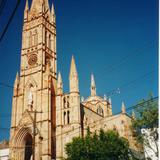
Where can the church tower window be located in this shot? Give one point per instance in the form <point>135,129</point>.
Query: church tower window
<point>67,104</point>
<point>64,102</point>
<point>100,111</point>
<point>64,118</point>
<point>49,41</point>
<point>68,117</point>
<point>46,38</point>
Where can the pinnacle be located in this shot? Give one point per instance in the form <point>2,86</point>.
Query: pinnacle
<point>59,78</point>
<point>52,10</point>
<point>38,4</point>
<point>17,79</point>
<point>73,70</point>
<point>27,6</point>
<point>123,108</point>
<point>92,81</point>
<point>110,100</point>
<point>93,86</point>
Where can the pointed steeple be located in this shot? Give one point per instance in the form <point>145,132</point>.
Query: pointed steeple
<point>59,84</point>
<point>16,82</point>
<point>39,6</point>
<point>110,101</point>
<point>26,11</point>
<point>52,16</point>
<point>46,3</point>
<point>73,77</point>
<point>123,109</point>
<point>93,86</point>
<point>27,6</point>
<point>73,69</point>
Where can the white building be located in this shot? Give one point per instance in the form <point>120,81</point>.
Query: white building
<point>150,144</point>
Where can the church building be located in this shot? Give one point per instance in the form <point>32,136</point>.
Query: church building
<point>44,118</point>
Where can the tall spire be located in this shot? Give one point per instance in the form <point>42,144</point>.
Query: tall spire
<point>123,109</point>
<point>110,100</point>
<point>52,17</point>
<point>27,6</point>
<point>26,10</point>
<point>39,6</point>
<point>59,84</point>
<point>93,86</point>
<point>46,3</point>
<point>73,69</point>
<point>73,77</point>
<point>16,82</point>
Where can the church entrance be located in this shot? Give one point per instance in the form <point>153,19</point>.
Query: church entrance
<point>28,147</point>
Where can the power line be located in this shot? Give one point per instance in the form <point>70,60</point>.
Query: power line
<point>10,20</point>
<point>2,5</point>
<point>112,117</point>
<point>129,56</point>
<point>109,93</point>
<point>113,90</point>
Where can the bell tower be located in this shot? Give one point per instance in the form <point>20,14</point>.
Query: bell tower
<point>33,106</point>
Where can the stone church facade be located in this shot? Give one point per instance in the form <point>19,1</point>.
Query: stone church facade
<point>44,118</point>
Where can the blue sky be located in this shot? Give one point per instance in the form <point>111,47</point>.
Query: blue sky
<point>115,40</point>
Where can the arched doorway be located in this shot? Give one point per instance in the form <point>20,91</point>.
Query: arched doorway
<point>28,147</point>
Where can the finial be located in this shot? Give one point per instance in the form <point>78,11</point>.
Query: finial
<point>93,86</point>
<point>52,15</point>
<point>73,77</point>
<point>123,109</point>
<point>16,80</point>
<point>110,100</point>
<point>59,84</point>
<point>52,10</point>
<point>27,6</point>
<point>73,69</point>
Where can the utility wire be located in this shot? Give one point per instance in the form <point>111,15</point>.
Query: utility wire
<point>113,90</point>
<point>2,5</point>
<point>124,85</point>
<point>64,133</point>
<point>10,20</point>
<point>138,52</point>
<point>110,92</point>
<point>112,117</point>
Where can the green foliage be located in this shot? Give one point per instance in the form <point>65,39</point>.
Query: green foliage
<point>147,116</point>
<point>105,146</point>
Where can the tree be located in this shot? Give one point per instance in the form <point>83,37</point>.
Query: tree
<point>146,124</point>
<point>105,146</point>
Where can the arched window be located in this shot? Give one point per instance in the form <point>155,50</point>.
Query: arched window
<point>68,117</point>
<point>67,104</point>
<point>64,118</point>
<point>64,102</point>
<point>49,41</point>
<point>100,111</point>
<point>46,38</point>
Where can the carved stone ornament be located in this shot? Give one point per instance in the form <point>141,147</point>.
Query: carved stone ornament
<point>32,60</point>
